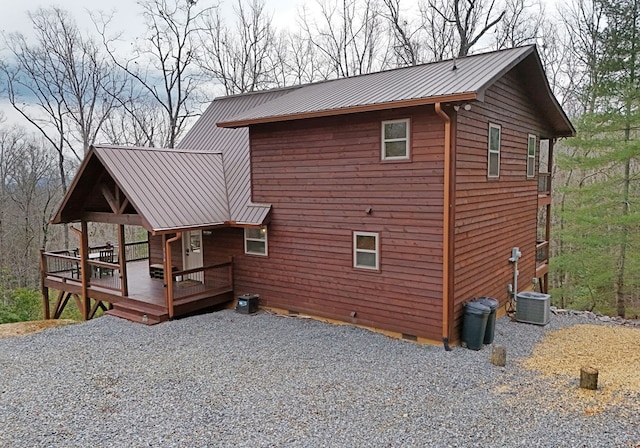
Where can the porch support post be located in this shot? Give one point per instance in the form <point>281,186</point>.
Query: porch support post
<point>122,258</point>
<point>84,267</point>
<point>46,312</point>
<point>168,272</point>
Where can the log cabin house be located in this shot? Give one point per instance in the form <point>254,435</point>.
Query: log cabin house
<point>384,200</point>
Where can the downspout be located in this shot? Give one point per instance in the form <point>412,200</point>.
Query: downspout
<point>168,272</point>
<point>446,218</point>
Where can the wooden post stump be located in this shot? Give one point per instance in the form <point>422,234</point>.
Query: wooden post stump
<point>589,378</point>
<point>499,355</point>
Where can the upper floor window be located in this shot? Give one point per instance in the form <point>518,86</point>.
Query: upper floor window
<point>366,250</point>
<point>493,169</point>
<point>395,139</point>
<point>531,156</point>
<point>255,241</point>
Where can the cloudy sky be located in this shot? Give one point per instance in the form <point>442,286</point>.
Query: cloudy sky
<point>13,14</point>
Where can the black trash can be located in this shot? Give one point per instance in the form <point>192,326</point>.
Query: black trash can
<point>491,319</point>
<point>474,324</point>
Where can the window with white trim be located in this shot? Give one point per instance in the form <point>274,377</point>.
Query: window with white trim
<point>366,250</point>
<point>395,139</point>
<point>531,156</point>
<point>493,165</point>
<point>255,241</point>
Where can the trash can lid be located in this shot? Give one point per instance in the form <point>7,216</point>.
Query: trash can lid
<point>488,301</point>
<point>476,308</point>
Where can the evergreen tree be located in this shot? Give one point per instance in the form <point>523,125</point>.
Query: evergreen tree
<point>602,215</point>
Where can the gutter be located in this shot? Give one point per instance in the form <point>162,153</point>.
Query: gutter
<point>446,221</point>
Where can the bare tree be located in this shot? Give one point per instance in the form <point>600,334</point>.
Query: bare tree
<point>584,21</point>
<point>471,19</point>
<point>521,24</point>
<point>57,83</point>
<point>164,62</point>
<point>406,45</point>
<point>138,121</point>
<point>348,36</point>
<point>438,36</point>
<point>30,188</point>
<point>244,57</point>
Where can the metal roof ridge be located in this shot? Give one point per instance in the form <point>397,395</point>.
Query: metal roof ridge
<point>388,70</point>
<point>259,92</point>
<point>153,149</point>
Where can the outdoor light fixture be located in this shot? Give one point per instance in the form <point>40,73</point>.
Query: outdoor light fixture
<point>466,107</point>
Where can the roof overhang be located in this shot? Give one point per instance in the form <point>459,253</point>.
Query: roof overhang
<point>161,190</point>
<point>454,81</point>
<point>459,97</point>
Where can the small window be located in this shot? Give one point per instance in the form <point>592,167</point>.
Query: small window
<point>366,251</point>
<point>531,156</point>
<point>395,139</point>
<point>255,241</point>
<point>494,150</point>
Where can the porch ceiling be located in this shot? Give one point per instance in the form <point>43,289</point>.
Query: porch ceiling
<point>159,189</point>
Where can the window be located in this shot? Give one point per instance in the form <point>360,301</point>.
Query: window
<point>395,139</point>
<point>494,150</point>
<point>366,251</point>
<point>531,156</point>
<point>255,241</point>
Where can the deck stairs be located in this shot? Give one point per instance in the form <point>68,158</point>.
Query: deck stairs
<point>140,312</point>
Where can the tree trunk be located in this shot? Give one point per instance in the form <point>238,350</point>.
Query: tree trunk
<point>588,378</point>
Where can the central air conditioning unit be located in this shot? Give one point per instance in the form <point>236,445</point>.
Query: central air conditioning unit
<point>533,308</point>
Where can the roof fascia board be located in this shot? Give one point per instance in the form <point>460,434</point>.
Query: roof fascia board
<point>467,96</point>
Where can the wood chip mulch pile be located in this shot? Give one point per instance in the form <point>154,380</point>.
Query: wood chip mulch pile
<point>35,326</point>
<point>613,350</point>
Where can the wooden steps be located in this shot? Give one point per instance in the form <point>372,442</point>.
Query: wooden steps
<point>151,314</point>
<point>140,312</point>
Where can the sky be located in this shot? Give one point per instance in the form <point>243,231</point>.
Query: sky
<point>13,14</point>
<point>13,17</point>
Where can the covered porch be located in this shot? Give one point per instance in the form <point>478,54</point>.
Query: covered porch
<point>174,197</point>
<point>124,283</point>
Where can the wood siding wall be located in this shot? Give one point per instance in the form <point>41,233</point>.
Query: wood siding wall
<point>494,215</point>
<point>321,176</point>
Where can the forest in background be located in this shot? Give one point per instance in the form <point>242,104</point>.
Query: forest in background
<point>76,80</point>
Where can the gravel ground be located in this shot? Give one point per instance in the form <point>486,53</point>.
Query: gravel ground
<point>226,380</point>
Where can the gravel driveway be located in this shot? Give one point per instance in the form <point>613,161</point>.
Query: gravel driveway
<point>227,380</point>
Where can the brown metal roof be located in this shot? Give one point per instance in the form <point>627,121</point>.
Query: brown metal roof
<point>234,145</point>
<point>171,189</point>
<point>204,182</point>
<point>463,79</point>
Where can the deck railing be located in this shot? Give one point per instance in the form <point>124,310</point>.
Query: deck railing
<point>542,252</point>
<point>192,282</point>
<point>63,264</point>
<point>544,183</point>
<point>136,251</point>
<point>103,263</point>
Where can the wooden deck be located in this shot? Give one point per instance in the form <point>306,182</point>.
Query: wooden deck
<point>146,299</point>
